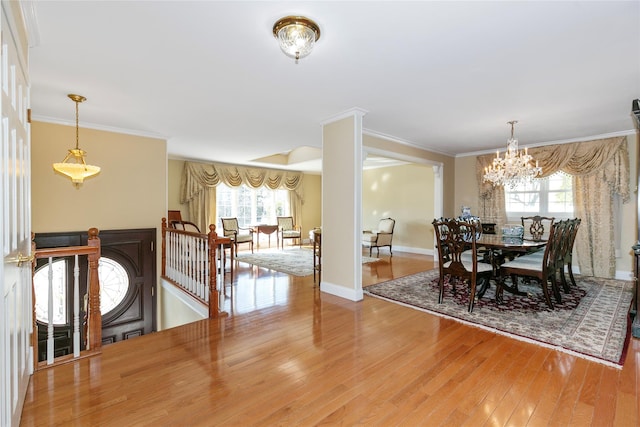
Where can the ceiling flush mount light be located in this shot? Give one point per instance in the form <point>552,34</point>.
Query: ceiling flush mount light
<point>74,165</point>
<point>515,168</point>
<point>296,35</point>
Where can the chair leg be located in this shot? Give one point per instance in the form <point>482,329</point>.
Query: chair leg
<point>472,294</point>
<point>556,289</point>
<point>370,248</point>
<point>441,286</point>
<point>563,280</point>
<point>545,291</point>
<point>570,268</point>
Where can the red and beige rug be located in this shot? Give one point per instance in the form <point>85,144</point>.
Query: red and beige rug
<point>591,322</point>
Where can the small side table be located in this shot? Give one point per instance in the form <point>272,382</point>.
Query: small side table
<point>264,229</point>
<point>316,235</point>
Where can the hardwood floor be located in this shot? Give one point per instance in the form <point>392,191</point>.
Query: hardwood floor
<point>291,355</point>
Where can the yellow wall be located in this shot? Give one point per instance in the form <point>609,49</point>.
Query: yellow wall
<point>129,192</point>
<point>404,193</point>
<point>312,205</point>
<point>449,177</point>
<point>466,194</point>
<point>173,188</point>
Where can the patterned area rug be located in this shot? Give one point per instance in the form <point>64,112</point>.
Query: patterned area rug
<point>591,322</point>
<point>294,261</point>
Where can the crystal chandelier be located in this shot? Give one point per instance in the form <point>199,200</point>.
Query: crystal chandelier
<point>514,169</point>
<point>77,170</point>
<point>296,35</point>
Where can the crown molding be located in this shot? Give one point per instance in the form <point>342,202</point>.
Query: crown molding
<point>94,126</point>
<point>558,142</point>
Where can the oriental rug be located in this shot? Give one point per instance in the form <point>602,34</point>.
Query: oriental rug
<point>294,261</point>
<point>592,321</point>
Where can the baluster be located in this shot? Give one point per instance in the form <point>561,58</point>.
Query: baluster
<point>207,267</point>
<point>76,308</point>
<point>50,349</point>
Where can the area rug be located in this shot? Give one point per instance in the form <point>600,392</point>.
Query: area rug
<point>591,322</point>
<point>294,261</point>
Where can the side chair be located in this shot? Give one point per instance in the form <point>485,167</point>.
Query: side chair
<point>542,268</point>
<point>458,256</point>
<point>237,234</point>
<point>381,237</point>
<point>535,224</point>
<point>288,230</point>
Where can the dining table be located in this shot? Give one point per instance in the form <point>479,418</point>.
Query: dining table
<point>498,248</point>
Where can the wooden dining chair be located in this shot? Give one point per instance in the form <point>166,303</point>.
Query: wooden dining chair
<point>536,226</point>
<point>542,268</point>
<point>566,256</point>
<point>458,256</point>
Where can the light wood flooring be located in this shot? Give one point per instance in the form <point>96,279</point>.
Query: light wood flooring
<point>289,355</point>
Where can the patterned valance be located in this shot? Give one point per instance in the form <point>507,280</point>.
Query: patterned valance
<point>198,176</point>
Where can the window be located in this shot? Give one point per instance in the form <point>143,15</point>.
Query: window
<point>251,206</point>
<point>114,283</point>
<point>551,196</point>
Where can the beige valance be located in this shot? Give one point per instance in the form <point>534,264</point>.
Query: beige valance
<point>198,176</point>
<point>199,181</point>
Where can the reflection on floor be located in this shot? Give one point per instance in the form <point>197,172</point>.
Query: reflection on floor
<point>256,288</point>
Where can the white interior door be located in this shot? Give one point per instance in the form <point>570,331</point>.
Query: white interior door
<point>16,352</point>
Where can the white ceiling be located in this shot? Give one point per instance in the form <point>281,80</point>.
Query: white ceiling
<point>209,77</point>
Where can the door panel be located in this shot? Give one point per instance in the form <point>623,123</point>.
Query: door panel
<point>125,255</point>
<point>16,324</point>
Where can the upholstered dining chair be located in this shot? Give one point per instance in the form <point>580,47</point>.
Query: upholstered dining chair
<point>380,237</point>
<point>458,256</point>
<point>288,230</point>
<point>543,268</point>
<point>237,234</point>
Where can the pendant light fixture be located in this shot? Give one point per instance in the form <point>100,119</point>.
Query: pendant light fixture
<point>74,165</point>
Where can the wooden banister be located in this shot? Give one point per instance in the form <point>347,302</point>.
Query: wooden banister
<point>180,248</point>
<point>94,316</point>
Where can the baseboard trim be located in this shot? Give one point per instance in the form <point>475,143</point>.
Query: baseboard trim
<point>341,291</point>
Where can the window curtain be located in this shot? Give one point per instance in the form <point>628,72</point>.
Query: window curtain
<point>600,170</point>
<point>199,181</point>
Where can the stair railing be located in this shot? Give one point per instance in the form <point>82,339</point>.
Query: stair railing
<point>189,263</point>
<point>93,325</point>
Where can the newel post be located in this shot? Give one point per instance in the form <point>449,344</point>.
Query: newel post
<point>214,295</point>
<point>164,247</point>
<point>95,316</point>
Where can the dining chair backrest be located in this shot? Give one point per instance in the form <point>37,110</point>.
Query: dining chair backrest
<point>536,226</point>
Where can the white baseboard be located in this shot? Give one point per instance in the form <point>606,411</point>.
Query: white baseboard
<point>341,291</point>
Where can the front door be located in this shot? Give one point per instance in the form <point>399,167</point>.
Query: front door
<point>127,280</point>
<point>16,351</point>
